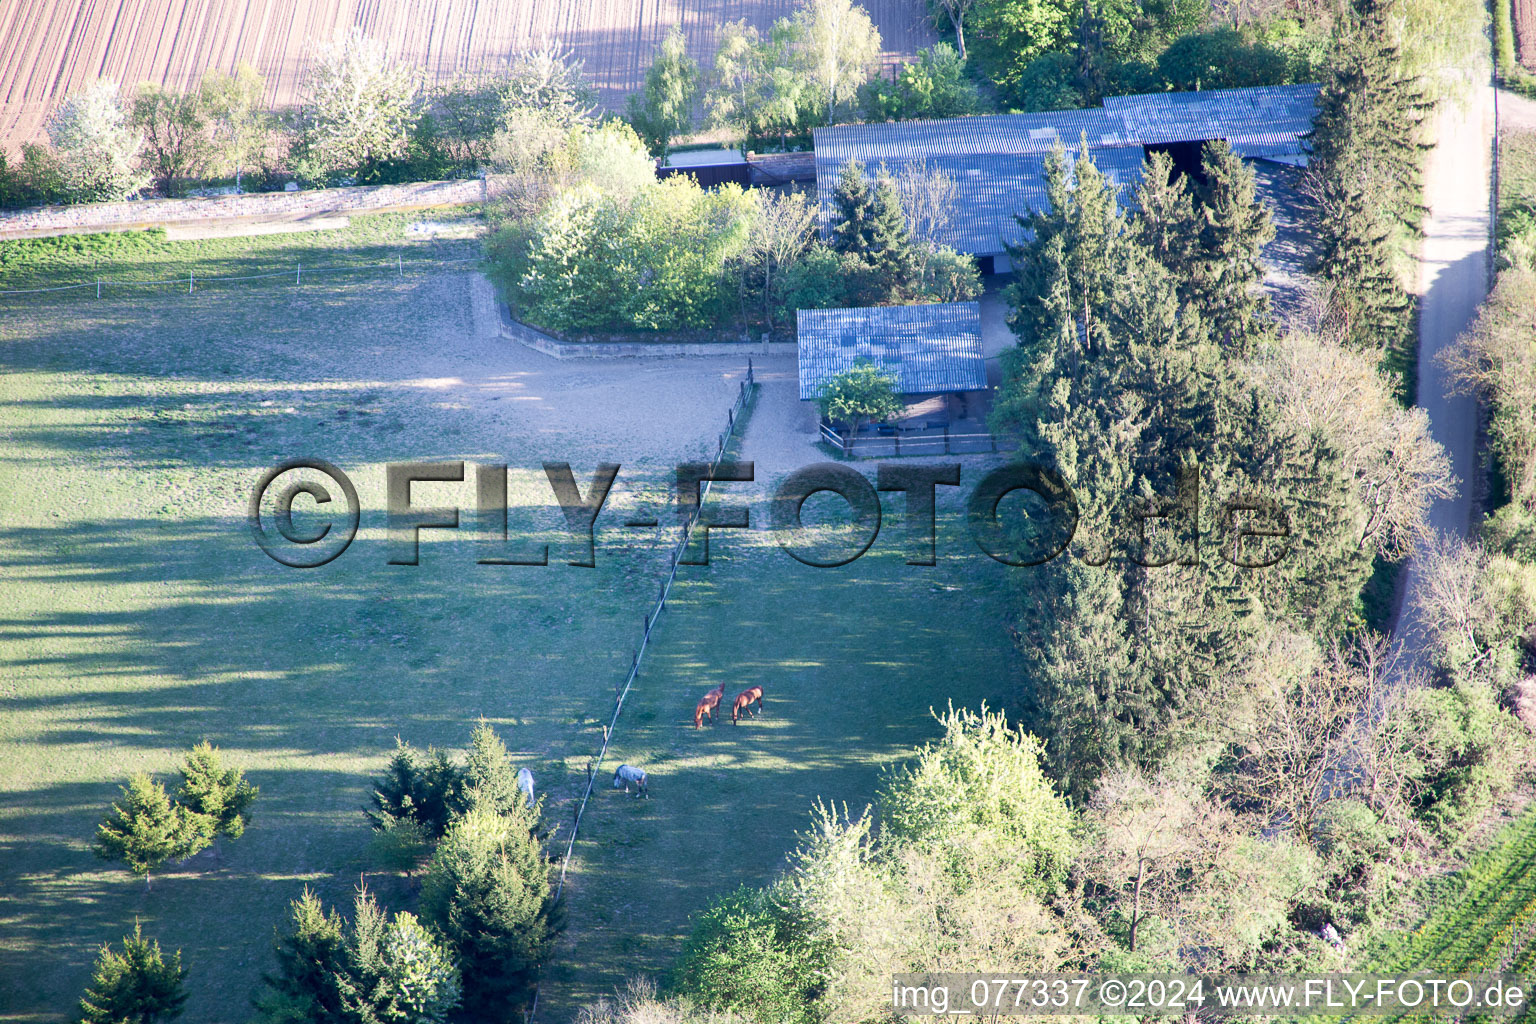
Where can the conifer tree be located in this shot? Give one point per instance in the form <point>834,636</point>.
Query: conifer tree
<point>1365,173</point>
<point>1228,270</point>
<point>222,795</point>
<point>145,829</point>
<point>305,989</point>
<point>489,780</point>
<point>1165,216</point>
<point>424,789</point>
<point>140,985</point>
<point>1370,114</point>
<point>487,893</point>
<point>872,232</point>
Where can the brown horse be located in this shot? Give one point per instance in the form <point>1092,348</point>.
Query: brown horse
<point>707,705</point>
<point>744,701</point>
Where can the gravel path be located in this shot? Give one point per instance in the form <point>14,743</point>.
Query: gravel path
<point>1453,281</point>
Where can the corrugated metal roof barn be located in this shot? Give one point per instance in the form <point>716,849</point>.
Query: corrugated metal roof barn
<point>997,161</point>
<point>931,348</point>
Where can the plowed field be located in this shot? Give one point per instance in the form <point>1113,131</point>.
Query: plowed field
<point>49,48</point>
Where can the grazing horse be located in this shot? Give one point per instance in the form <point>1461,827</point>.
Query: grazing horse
<point>707,705</point>
<point>625,774</point>
<point>525,784</point>
<point>744,701</point>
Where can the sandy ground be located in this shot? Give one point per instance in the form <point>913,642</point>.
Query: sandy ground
<point>1453,278</point>
<point>1515,111</point>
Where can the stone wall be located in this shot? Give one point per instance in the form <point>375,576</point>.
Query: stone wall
<point>612,348</point>
<point>149,213</point>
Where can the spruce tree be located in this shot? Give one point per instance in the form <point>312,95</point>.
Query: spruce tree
<point>146,829</point>
<point>487,893</point>
<point>424,789</point>
<point>311,964</point>
<point>1227,274</point>
<point>872,233</point>
<point>222,795</point>
<point>140,985</point>
<point>489,780</point>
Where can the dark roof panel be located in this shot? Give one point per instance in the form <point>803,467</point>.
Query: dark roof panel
<point>931,348</point>
<point>997,161</point>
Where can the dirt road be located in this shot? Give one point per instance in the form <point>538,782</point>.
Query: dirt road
<point>1453,280</point>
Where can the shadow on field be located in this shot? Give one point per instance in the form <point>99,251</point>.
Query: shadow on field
<point>129,640</point>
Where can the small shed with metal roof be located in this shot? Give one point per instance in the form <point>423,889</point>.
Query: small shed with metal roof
<point>933,349</point>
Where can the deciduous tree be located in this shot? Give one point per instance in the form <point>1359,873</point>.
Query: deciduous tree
<point>360,108</point>
<point>174,126</point>
<point>861,394</point>
<point>664,106</point>
<point>238,123</point>
<point>97,145</point>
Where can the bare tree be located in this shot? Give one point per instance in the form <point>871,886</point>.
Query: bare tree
<point>1309,729</point>
<point>779,233</point>
<point>1398,469</point>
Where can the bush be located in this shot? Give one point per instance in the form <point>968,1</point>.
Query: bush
<point>38,179</point>
<point>930,86</point>
<point>660,262</point>
<point>817,281</point>
<point>1465,751</point>
<point>746,955</point>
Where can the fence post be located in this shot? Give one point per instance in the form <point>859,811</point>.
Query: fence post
<point>189,282</point>
<point>897,436</point>
<point>400,264</point>
<point>98,287</point>
<point>946,439</point>
<point>994,441</point>
<point>298,273</point>
<point>749,369</point>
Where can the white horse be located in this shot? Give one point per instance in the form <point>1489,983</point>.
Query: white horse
<point>525,783</point>
<point>625,774</point>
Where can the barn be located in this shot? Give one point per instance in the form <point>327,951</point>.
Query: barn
<point>933,349</point>
<point>997,161</point>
